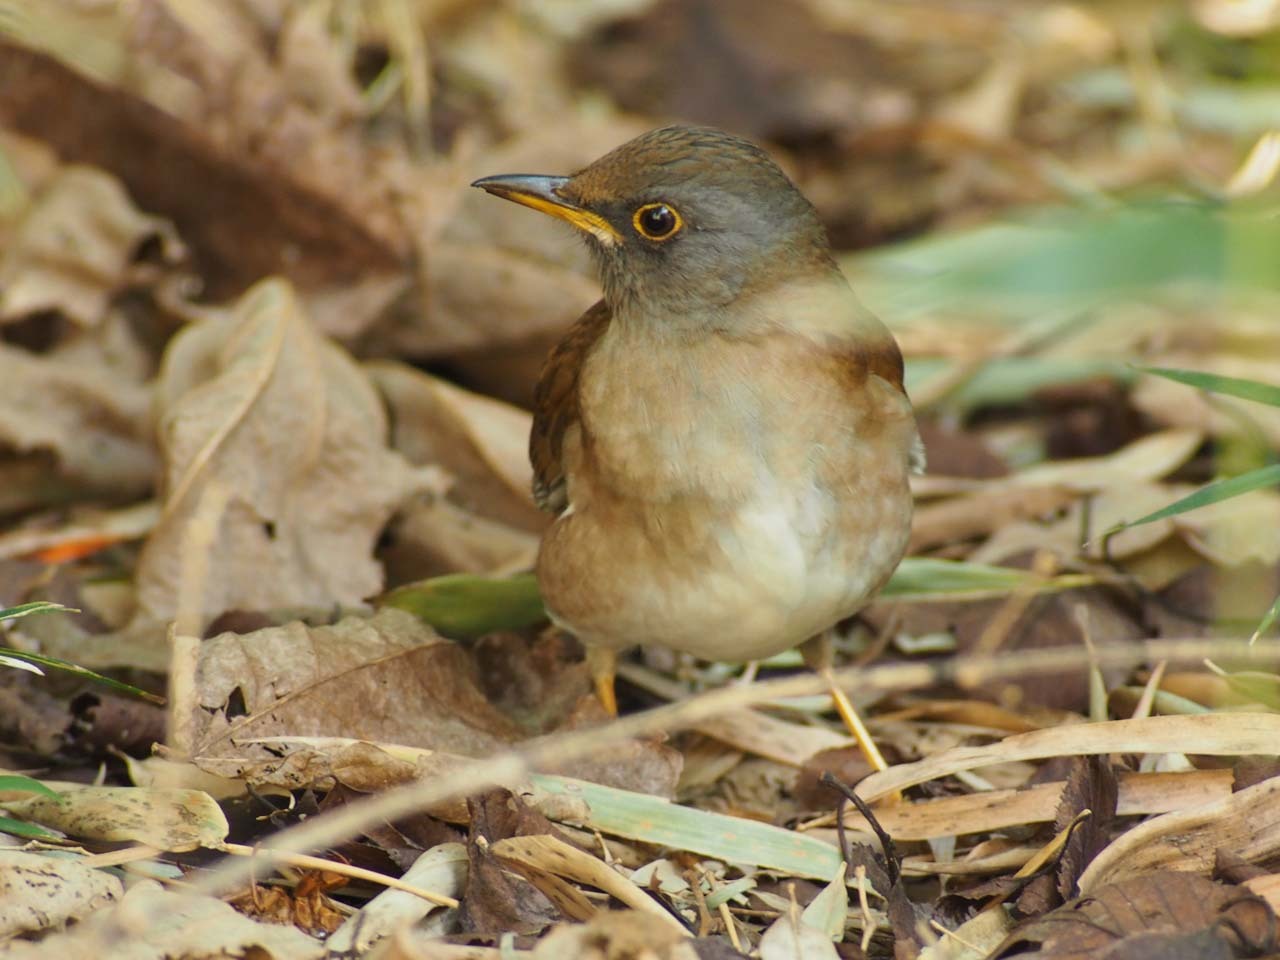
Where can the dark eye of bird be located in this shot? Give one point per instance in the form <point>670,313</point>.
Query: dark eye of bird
<point>656,221</point>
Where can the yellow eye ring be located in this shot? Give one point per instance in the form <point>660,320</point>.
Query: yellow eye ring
<point>657,221</point>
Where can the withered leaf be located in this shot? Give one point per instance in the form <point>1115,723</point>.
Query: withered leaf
<point>386,679</point>
<point>283,436</point>
<point>73,247</point>
<point>495,899</point>
<point>93,423</point>
<point>1091,785</point>
<point>281,189</point>
<point>1157,904</point>
<point>482,443</point>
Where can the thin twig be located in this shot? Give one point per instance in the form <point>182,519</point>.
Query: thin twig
<point>892,860</point>
<point>965,671</point>
<point>306,862</point>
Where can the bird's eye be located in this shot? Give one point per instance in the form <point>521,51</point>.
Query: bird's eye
<point>657,221</point>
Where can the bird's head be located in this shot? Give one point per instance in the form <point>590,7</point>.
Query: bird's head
<point>682,220</point>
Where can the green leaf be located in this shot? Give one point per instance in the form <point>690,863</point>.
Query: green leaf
<point>1213,493</point>
<point>53,663</point>
<point>649,819</point>
<point>15,781</point>
<point>463,606</point>
<point>1215,383</point>
<point>36,606</point>
<point>20,828</point>
<point>1267,620</point>
<point>1010,380</point>
<point>926,578</point>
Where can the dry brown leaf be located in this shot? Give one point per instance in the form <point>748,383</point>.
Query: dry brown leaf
<point>482,443</point>
<point>184,925</point>
<point>38,892</point>
<point>548,854</point>
<point>93,423</point>
<point>1246,824</point>
<point>283,189</point>
<point>260,409</point>
<point>994,810</point>
<point>497,898</point>
<point>1184,910</point>
<point>615,934</point>
<point>73,247</point>
<point>1085,819</point>
<point>442,870</point>
<point>388,678</point>
<point>164,818</point>
<point>1226,734</point>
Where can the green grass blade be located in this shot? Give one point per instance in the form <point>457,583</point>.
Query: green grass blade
<point>1213,493</point>
<point>1216,383</point>
<point>927,578</point>
<point>19,828</point>
<point>1267,620</point>
<point>36,606</point>
<point>15,781</point>
<point>463,606</point>
<point>53,663</point>
<point>649,819</point>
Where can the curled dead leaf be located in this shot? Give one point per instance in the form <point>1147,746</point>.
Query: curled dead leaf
<point>72,249</point>
<point>388,678</point>
<point>260,410</point>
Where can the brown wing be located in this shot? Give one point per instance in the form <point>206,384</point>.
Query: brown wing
<point>876,355</point>
<point>555,406</point>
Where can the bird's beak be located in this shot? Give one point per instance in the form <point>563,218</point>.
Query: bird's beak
<point>542,193</point>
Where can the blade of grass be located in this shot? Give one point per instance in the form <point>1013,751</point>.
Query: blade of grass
<point>639,816</point>
<point>15,781</point>
<point>53,663</point>
<point>20,829</point>
<point>1268,619</point>
<point>922,578</point>
<point>1216,383</point>
<point>463,606</point>
<point>36,606</point>
<point>1213,493</point>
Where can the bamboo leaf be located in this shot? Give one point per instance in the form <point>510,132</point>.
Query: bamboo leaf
<point>924,578</point>
<point>36,606</point>
<point>1267,620</point>
<point>14,781</point>
<point>639,816</point>
<point>53,663</point>
<point>1213,493</point>
<point>1216,383</point>
<point>462,606</point>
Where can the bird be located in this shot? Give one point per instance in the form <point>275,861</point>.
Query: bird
<point>724,438</point>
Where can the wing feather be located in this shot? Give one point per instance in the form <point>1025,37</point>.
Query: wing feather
<point>555,406</point>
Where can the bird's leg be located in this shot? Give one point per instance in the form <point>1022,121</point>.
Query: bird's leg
<point>602,664</point>
<point>817,654</point>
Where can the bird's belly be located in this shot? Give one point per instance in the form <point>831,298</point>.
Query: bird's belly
<point>738,583</point>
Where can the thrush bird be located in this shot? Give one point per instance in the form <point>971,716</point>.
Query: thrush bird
<point>724,437</point>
